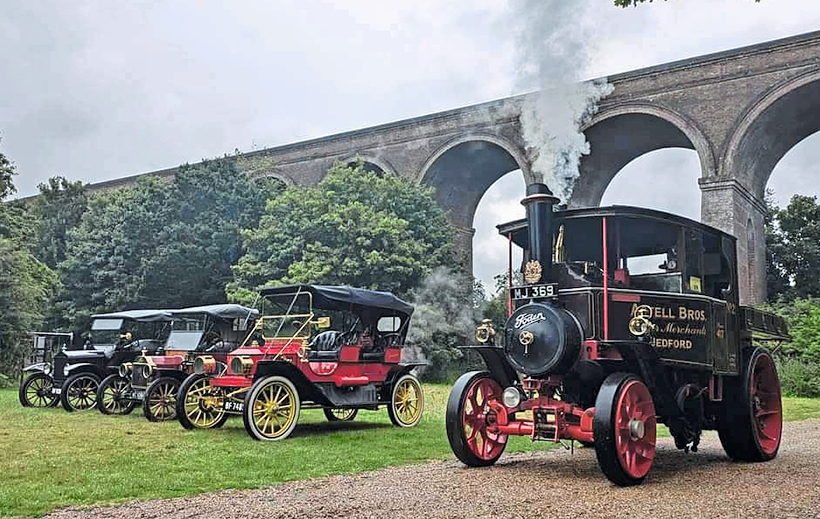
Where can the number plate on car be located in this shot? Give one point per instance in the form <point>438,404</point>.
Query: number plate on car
<point>138,395</point>
<point>233,407</point>
<point>56,390</point>
<point>535,291</point>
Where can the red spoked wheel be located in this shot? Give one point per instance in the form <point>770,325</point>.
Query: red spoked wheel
<point>766,405</point>
<point>625,429</point>
<point>469,420</point>
<point>752,423</point>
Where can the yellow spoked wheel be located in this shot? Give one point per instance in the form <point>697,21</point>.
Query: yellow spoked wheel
<point>159,403</point>
<point>337,414</point>
<point>199,405</point>
<point>407,402</point>
<point>271,408</point>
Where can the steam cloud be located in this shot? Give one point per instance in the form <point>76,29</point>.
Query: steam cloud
<point>553,45</point>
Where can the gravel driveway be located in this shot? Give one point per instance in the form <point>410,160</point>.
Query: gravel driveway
<point>544,484</point>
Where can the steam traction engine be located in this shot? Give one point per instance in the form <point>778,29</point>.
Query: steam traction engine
<point>625,318</point>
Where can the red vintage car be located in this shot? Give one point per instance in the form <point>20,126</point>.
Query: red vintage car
<point>335,348</point>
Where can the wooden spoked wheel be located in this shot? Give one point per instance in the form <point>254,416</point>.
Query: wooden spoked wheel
<point>271,408</point>
<point>36,391</point>
<point>407,402</point>
<point>625,429</point>
<point>79,392</point>
<point>113,397</point>
<point>337,414</point>
<point>469,420</point>
<point>199,405</point>
<point>159,403</point>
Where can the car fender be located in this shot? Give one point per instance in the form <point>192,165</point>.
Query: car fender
<point>82,367</point>
<point>40,367</point>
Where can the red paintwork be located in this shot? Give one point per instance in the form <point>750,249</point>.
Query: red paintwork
<point>606,282</point>
<point>485,438</point>
<point>168,361</point>
<point>768,409</point>
<point>348,371</point>
<point>635,404</point>
<point>570,421</point>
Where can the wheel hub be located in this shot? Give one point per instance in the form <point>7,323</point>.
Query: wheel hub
<point>636,429</point>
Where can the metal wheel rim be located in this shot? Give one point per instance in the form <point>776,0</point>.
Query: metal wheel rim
<point>36,390</point>
<point>202,407</point>
<point>635,411</point>
<point>767,407</point>
<point>274,409</point>
<point>112,396</point>
<point>82,394</point>
<point>407,401</point>
<point>475,417</point>
<point>342,414</point>
<point>162,401</point>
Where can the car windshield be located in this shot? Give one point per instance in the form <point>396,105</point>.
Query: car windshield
<point>183,340</point>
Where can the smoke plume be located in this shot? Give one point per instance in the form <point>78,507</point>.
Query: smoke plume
<point>553,44</point>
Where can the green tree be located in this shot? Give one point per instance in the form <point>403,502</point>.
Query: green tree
<point>794,248</point>
<point>26,284</point>
<point>354,228</point>
<point>58,209</point>
<point>160,244</point>
<point>777,281</point>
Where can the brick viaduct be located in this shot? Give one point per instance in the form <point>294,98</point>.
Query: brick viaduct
<point>741,110</point>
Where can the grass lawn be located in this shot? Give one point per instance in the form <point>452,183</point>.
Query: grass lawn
<point>51,459</point>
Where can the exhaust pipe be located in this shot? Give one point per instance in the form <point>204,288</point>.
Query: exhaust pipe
<point>538,203</point>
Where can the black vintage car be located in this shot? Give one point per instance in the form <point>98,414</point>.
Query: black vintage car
<point>114,339</point>
<point>35,377</point>
<point>206,332</point>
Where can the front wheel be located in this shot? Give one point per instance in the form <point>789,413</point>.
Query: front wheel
<point>336,414</point>
<point>271,408</point>
<point>160,401</point>
<point>406,402</point>
<point>469,420</point>
<point>36,391</point>
<point>752,422</point>
<point>112,396</point>
<point>625,429</point>
<point>79,392</point>
<point>199,405</point>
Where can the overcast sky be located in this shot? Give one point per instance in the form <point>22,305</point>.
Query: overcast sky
<point>95,90</point>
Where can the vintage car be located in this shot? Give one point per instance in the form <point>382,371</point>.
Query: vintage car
<point>35,377</point>
<point>329,347</point>
<point>154,380</point>
<point>626,318</point>
<point>114,338</point>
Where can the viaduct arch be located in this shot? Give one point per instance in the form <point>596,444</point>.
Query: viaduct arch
<point>741,110</point>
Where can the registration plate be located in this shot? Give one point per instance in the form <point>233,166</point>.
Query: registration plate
<point>535,291</point>
<point>138,395</point>
<point>56,390</point>
<point>233,406</point>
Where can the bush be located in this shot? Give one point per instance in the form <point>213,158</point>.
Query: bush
<point>799,377</point>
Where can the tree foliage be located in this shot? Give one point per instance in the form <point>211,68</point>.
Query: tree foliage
<point>160,244</point>
<point>26,284</point>
<point>58,209</point>
<point>353,228</point>
<point>793,249</point>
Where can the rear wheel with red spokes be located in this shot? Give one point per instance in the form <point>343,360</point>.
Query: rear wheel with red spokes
<point>625,429</point>
<point>751,426</point>
<point>470,419</point>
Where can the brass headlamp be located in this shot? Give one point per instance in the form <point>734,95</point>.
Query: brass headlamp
<point>485,332</point>
<point>241,365</point>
